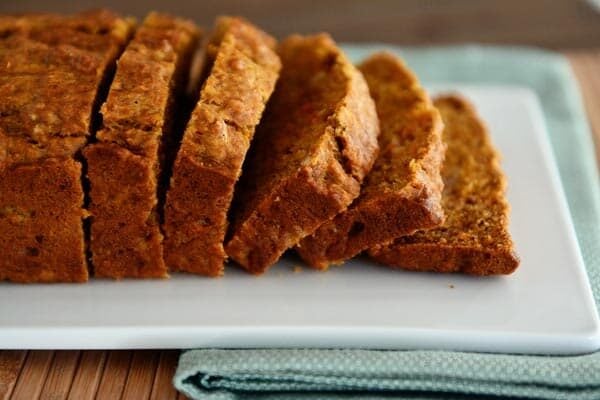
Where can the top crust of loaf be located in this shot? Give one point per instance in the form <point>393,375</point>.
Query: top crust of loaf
<point>153,66</point>
<point>50,70</point>
<point>474,238</point>
<point>402,193</point>
<point>96,31</point>
<point>244,69</point>
<point>319,134</point>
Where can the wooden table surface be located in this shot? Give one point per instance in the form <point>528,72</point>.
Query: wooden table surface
<point>29,374</point>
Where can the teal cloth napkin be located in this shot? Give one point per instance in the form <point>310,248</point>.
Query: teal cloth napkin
<point>366,374</point>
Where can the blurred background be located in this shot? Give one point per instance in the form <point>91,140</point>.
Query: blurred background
<point>555,24</point>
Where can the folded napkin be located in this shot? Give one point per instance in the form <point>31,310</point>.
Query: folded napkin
<point>367,374</point>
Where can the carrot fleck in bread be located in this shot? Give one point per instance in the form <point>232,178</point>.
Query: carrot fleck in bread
<point>53,70</point>
<point>124,166</point>
<point>242,70</point>
<point>402,193</point>
<point>315,145</point>
<point>474,238</point>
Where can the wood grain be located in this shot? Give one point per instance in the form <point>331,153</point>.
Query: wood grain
<point>87,377</point>
<point>60,375</point>
<point>147,374</point>
<point>33,375</point>
<point>11,362</point>
<point>114,375</point>
<point>162,388</point>
<point>141,375</point>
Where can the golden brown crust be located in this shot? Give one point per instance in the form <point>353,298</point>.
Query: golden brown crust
<point>151,73</point>
<point>244,69</point>
<point>40,222</point>
<point>49,78</point>
<point>402,193</point>
<point>98,31</point>
<point>475,238</point>
<point>40,118</point>
<point>316,143</point>
<point>124,166</point>
<point>52,69</point>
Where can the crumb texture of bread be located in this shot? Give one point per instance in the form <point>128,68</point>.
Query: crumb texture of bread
<point>402,193</point>
<point>41,222</point>
<point>474,239</point>
<point>52,72</point>
<point>312,150</point>
<point>124,166</point>
<point>243,68</point>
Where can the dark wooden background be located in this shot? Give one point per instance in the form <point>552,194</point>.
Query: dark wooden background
<point>550,23</point>
<point>569,26</point>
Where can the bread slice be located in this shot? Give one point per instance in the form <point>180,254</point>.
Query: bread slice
<point>402,193</point>
<point>53,70</point>
<point>242,69</point>
<point>124,166</point>
<point>315,145</point>
<point>475,238</point>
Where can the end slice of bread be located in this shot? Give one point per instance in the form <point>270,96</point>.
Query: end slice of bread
<point>474,238</point>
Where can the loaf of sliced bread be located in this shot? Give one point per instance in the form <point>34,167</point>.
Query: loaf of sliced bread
<point>242,68</point>
<point>474,238</point>
<point>53,74</point>
<point>315,145</point>
<point>402,193</point>
<point>124,166</point>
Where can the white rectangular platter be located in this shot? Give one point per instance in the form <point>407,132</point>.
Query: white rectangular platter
<point>546,306</point>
